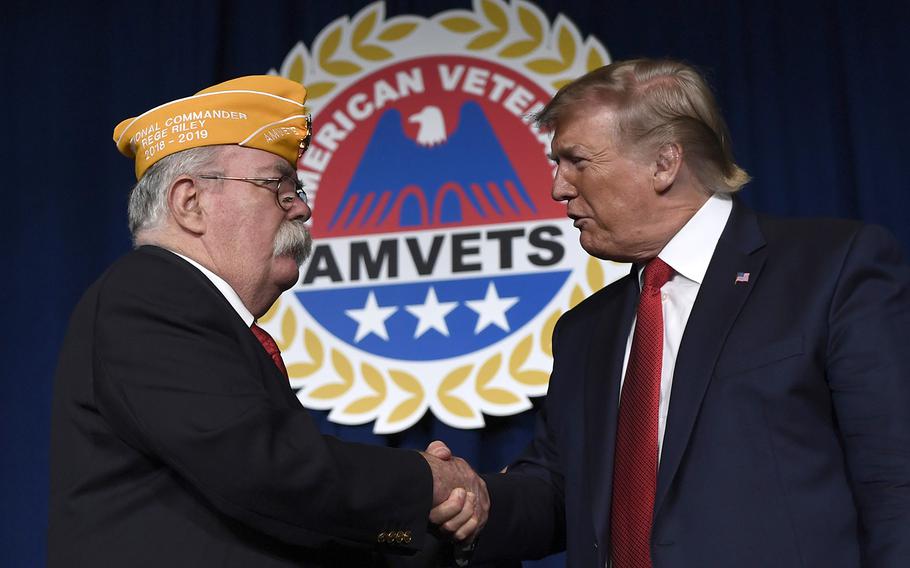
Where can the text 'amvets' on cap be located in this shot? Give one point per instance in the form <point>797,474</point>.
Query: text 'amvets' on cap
<point>259,111</point>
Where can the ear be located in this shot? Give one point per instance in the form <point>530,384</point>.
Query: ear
<point>184,203</point>
<point>666,167</point>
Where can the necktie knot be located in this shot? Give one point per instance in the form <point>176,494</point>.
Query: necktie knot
<point>657,273</point>
<point>270,347</point>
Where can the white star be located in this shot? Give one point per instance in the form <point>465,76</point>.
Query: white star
<point>491,310</point>
<point>431,314</point>
<point>371,319</point>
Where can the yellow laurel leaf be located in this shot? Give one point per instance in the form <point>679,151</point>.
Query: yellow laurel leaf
<point>343,367</point>
<point>302,370</point>
<point>499,396</point>
<point>364,405</point>
<point>485,40</point>
<point>519,48</point>
<point>595,61</point>
<point>460,25</point>
<point>363,28</point>
<point>272,312</point>
<point>561,83</point>
<point>341,67</point>
<point>495,14</point>
<point>454,379</point>
<point>396,32</point>
<point>532,378</point>
<point>313,347</point>
<point>317,90</point>
<point>295,73</point>
<point>488,370</point>
<point>546,334</point>
<point>405,409</point>
<point>373,378</point>
<point>329,391</point>
<point>407,382</point>
<point>329,45</point>
<point>457,406</point>
<point>288,329</point>
<point>577,296</point>
<point>520,355</point>
<point>595,274</point>
<point>546,66</point>
<point>566,46</point>
<point>530,23</point>
<point>372,52</point>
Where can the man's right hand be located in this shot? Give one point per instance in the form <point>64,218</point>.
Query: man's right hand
<point>461,503</point>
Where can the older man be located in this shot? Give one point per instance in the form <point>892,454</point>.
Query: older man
<point>742,398</point>
<point>176,440</point>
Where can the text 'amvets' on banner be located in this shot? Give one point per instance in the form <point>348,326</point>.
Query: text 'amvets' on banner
<point>441,263</point>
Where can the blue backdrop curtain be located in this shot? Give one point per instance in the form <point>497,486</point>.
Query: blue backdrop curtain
<point>815,93</point>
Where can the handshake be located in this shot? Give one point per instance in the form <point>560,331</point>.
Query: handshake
<point>460,499</point>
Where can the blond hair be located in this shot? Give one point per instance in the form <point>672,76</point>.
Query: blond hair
<point>659,102</point>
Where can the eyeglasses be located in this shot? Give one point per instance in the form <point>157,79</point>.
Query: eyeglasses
<point>287,189</point>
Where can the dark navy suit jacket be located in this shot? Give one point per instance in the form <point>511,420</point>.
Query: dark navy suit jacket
<point>788,436</point>
<point>175,441</point>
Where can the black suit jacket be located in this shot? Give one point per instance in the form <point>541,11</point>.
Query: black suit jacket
<point>788,435</point>
<point>177,442</point>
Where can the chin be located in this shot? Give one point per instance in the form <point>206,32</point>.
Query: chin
<point>285,272</point>
<point>592,247</point>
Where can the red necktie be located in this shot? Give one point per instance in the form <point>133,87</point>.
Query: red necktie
<point>635,462</point>
<point>270,347</point>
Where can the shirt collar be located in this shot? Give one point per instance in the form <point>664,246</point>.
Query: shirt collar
<point>229,294</point>
<point>690,250</point>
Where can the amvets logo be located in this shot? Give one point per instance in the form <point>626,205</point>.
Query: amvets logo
<point>440,263</point>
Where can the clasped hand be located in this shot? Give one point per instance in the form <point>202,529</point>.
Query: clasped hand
<point>460,499</point>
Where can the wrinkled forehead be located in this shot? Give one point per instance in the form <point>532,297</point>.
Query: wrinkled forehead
<point>253,162</point>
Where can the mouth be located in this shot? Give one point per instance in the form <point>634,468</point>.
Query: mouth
<point>578,220</point>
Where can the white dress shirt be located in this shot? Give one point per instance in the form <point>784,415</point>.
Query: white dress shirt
<point>229,294</point>
<point>688,253</point>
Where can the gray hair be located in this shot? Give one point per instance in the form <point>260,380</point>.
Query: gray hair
<point>148,199</point>
<point>658,102</point>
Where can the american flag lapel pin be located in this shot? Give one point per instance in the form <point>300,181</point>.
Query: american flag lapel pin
<point>741,278</point>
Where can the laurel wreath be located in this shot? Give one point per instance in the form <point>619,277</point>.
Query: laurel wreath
<point>346,377</point>
<point>516,31</point>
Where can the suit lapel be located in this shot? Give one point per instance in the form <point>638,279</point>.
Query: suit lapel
<point>272,378</point>
<point>601,392</point>
<point>719,301</point>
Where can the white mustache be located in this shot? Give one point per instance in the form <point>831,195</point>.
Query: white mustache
<point>293,239</point>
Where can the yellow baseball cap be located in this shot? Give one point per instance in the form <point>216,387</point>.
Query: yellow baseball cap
<point>258,111</point>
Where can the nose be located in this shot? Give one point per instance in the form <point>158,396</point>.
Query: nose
<point>300,210</point>
<point>562,190</point>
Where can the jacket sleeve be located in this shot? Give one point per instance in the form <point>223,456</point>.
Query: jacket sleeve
<point>175,378</point>
<point>868,369</point>
<point>527,503</point>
